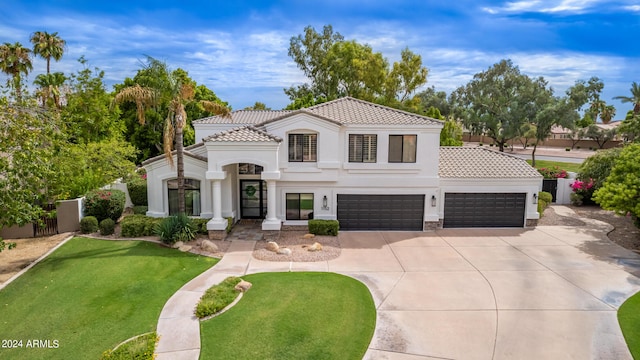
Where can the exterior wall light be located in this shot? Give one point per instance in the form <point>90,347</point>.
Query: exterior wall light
<point>325,203</point>
<point>433,201</point>
<point>535,198</point>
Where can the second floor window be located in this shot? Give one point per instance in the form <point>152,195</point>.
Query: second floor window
<point>303,147</point>
<point>363,148</point>
<point>402,148</point>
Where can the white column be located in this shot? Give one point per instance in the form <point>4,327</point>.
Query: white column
<point>271,200</point>
<point>217,200</point>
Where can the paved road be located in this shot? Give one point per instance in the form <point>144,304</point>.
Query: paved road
<point>552,158</point>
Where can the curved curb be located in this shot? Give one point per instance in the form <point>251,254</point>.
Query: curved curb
<point>131,339</point>
<point>11,279</point>
<point>226,308</point>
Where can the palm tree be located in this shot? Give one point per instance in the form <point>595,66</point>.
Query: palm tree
<point>634,98</point>
<point>48,46</point>
<point>177,93</point>
<point>607,112</point>
<point>15,60</point>
<point>49,85</point>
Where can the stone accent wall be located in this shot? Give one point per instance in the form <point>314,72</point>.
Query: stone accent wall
<point>532,223</point>
<point>432,225</point>
<point>217,234</point>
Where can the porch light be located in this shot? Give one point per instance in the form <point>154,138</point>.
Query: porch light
<point>535,198</point>
<point>433,201</point>
<point>325,203</point>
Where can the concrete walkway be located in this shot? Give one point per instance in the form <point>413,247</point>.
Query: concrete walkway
<point>548,293</point>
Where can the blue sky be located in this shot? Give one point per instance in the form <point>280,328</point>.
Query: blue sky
<point>239,48</point>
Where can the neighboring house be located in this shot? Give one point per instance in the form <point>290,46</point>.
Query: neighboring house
<point>370,167</point>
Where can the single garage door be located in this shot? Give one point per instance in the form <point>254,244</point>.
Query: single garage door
<point>381,212</point>
<point>484,209</point>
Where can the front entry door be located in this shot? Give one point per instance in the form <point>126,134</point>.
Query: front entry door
<point>253,199</point>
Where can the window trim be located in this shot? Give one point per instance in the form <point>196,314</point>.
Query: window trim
<point>372,146</point>
<point>404,138</point>
<point>299,198</point>
<point>196,205</point>
<point>312,144</point>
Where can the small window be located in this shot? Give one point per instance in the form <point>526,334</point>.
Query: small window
<point>299,206</point>
<point>303,147</point>
<point>191,196</point>
<point>363,148</point>
<point>249,169</point>
<point>402,148</point>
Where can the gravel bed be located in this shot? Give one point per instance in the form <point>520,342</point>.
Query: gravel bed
<point>550,218</point>
<point>295,241</point>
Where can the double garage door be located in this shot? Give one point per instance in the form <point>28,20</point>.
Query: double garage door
<point>380,212</point>
<point>484,210</point>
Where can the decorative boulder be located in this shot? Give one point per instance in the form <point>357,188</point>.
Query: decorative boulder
<point>208,246</point>
<point>185,248</point>
<point>243,286</point>
<point>315,247</point>
<point>272,246</point>
<point>177,245</point>
<point>308,236</point>
<point>284,251</point>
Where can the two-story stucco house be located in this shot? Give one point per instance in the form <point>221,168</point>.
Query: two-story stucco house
<point>370,167</point>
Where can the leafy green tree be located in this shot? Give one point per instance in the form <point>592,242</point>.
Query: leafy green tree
<point>634,99</point>
<point>499,100</point>
<point>406,76</point>
<point>587,92</point>
<point>527,132</point>
<point>599,135</point>
<point>597,167</point>
<point>621,190</point>
<point>172,88</point>
<point>257,106</point>
<point>88,114</point>
<point>15,60</point>
<point>438,99</point>
<point>48,46</point>
<point>551,111</point>
<point>630,127</point>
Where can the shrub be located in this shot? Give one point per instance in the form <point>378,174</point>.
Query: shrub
<point>217,297</point>
<point>545,196</point>
<point>567,149</point>
<point>140,209</point>
<point>541,206</point>
<point>324,227</point>
<point>200,225</point>
<point>107,226</point>
<point>175,228</point>
<point>578,147</point>
<point>104,204</point>
<point>138,225</point>
<point>139,348</point>
<point>553,172</point>
<point>88,224</point>
<point>137,187</point>
<point>480,144</point>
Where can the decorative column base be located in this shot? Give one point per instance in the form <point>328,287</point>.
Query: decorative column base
<point>217,234</point>
<point>270,224</point>
<point>432,225</point>
<point>531,223</point>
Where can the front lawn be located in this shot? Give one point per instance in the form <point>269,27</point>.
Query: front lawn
<point>90,295</point>
<point>629,318</point>
<point>573,167</point>
<point>294,316</point>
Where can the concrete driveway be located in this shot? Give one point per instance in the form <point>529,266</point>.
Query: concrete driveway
<point>548,293</point>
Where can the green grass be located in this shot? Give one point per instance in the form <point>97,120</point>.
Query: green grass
<point>90,295</point>
<point>629,318</point>
<point>573,167</point>
<point>217,297</point>
<point>294,316</point>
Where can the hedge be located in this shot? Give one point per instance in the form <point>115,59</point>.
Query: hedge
<point>138,192</point>
<point>324,227</point>
<point>104,204</point>
<point>138,225</point>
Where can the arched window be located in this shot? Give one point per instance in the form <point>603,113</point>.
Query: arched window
<point>191,196</point>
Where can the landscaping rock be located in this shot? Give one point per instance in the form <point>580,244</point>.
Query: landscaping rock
<point>185,248</point>
<point>209,246</point>
<point>308,236</point>
<point>177,245</point>
<point>284,251</point>
<point>315,247</point>
<point>243,286</point>
<point>272,246</point>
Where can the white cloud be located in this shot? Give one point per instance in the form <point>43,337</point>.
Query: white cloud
<point>545,6</point>
<point>635,8</point>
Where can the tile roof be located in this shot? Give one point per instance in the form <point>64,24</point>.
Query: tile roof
<point>345,110</point>
<point>244,117</point>
<point>185,152</point>
<point>243,134</point>
<point>478,162</point>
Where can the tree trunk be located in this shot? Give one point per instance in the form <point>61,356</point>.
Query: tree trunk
<point>48,64</point>
<point>180,166</point>
<point>533,154</point>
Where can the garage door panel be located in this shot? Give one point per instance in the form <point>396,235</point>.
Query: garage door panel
<point>380,212</point>
<point>484,209</point>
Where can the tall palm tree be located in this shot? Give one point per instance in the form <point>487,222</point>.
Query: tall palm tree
<point>48,46</point>
<point>15,60</point>
<point>49,85</point>
<point>607,112</point>
<point>177,94</point>
<point>634,98</point>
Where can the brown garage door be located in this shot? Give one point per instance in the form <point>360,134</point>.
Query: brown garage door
<point>484,210</point>
<point>381,212</point>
